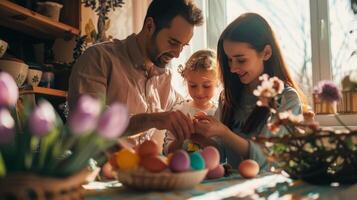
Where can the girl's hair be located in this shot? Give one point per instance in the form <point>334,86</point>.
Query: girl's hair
<point>205,59</point>
<point>253,29</point>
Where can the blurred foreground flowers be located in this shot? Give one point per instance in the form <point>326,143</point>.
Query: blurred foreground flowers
<point>36,140</point>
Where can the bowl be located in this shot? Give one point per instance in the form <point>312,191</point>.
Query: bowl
<point>17,69</point>
<point>143,180</point>
<point>34,77</point>
<point>3,47</point>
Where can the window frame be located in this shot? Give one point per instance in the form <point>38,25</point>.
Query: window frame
<point>320,49</point>
<point>321,57</point>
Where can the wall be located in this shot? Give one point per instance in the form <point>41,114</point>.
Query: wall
<point>124,21</point>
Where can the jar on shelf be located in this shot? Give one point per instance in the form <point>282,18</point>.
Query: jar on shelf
<point>48,77</point>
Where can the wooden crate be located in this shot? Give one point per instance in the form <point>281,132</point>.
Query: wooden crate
<point>348,104</point>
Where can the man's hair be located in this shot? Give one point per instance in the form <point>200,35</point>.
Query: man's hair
<point>163,11</point>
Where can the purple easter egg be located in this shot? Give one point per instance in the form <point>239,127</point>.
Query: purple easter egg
<point>180,161</point>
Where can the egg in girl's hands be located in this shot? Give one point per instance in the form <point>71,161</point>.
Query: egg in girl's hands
<point>211,157</point>
<point>217,172</point>
<point>148,148</point>
<point>127,159</point>
<point>248,168</point>
<point>199,116</point>
<point>153,164</point>
<point>180,161</point>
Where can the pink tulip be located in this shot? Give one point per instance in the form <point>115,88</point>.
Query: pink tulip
<point>42,119</point>
<point>9,92</point>
<point>85,116</point>
<point>7,125</point>
<point>113,121</point>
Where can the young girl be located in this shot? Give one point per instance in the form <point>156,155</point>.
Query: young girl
<point>247,48</point>
<point>200,73</point>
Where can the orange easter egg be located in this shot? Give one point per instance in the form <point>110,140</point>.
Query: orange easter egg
<point>107,171</point>
<point>127,159</point>
<point>153,164</point>
<point>148,148</point>
<point>248,168</point>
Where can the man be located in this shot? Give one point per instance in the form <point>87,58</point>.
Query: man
<point>132,71</point>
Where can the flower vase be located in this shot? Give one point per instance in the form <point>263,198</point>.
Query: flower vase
<point>24,185</point>
<point>331,107</point>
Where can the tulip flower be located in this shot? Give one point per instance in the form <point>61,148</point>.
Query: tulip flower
<point>85,116</point>
<point>9,91</point>
<point>42,119</point>
<point>7,125</point>
<point>113,121</point>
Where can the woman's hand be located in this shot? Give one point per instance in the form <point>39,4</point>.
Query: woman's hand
<point>209,126</point>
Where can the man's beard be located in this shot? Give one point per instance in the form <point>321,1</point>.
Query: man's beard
<point>154,56</point>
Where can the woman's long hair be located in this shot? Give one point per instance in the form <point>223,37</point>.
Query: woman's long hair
<point>253,29</point>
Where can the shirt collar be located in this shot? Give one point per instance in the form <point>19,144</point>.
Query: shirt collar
<point>137,57</point>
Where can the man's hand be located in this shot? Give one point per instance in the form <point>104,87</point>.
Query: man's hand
<point>179,124</point>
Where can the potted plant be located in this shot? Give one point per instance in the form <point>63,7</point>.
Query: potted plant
<point>319,155</point>
<point>39,155</point>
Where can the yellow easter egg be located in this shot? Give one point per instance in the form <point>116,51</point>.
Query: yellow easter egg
<point>127,160</point>
<point>168,157</point>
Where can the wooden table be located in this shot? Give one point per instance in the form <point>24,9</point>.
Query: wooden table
<point>268,186</point>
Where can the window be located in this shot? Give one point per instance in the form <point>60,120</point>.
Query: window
<point>343,29</point>
<point>318,38</point>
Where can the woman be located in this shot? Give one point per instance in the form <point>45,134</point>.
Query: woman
<point>247,48</point>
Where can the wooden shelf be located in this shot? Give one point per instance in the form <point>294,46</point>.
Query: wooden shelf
<point>44,91</point>
<point>29,22</point>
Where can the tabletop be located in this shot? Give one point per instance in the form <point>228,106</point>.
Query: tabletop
<point>266,186</point>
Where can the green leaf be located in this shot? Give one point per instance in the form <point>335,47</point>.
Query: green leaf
<point>2,166</point>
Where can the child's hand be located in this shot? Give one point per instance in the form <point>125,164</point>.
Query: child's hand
<point>209,126</point>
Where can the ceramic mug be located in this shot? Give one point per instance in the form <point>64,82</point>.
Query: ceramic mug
<point>3,47</point>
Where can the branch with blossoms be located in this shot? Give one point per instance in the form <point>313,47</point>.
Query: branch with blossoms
<point>268,93</point>
<point>38,141</point>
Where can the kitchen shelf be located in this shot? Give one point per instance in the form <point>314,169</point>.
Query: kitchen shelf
<point>16,17</point>
<point>43,91</point>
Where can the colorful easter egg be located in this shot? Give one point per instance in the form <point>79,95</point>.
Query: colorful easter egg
<point>197,161</point>
<point>153,164</point>
<point>127,160</point>
<point>211,156</point>
<point>169,157</point>
<point>217,172</point>
<point>248,168</point>
<point>148,148</point>
<point>180,161</point>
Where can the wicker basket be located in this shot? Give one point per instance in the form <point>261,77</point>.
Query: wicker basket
<point>143,180</point>
<point>321,157</point>
<point>29,186</point>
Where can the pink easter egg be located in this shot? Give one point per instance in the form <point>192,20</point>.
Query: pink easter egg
<point>211,156</point>
<point>217,172</point>
<point>180,161</point>
<point>248,168</point>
